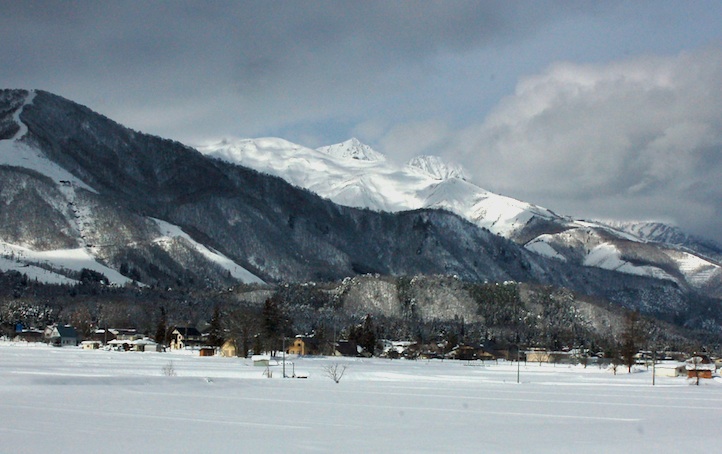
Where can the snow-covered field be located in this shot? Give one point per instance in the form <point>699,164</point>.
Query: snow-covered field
<point>66,400</point>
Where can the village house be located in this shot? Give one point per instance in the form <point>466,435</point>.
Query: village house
<point>103,336</point>
<point>545,356</point>
<point>463,352</point>
<point>29,335</point>
<point>61,336</point>
<point>144,344</point>
<point>398,349</point>
<point>229,349</point>
<point>346,348</point>
<point>185,337</point>
<point>493,350</point>
<point>120,345</point>
<point>303,345</point>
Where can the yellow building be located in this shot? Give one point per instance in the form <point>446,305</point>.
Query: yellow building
<point>229,349</point>
<point>303,346</point>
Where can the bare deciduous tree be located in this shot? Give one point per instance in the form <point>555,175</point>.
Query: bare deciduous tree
<point>169,370</point>
<point>334,371</point>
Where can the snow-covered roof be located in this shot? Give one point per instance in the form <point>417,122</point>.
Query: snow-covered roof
<point>700,363</point>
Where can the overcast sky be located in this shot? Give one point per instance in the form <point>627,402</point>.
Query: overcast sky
<point>592,109</point>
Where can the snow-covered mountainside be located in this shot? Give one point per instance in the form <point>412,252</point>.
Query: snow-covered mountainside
<point>435,167</point>
<point>55,225</point>
<point>161,213</point>
<point>353,174</point>
<point>78,186</point>
<point>667,234</point>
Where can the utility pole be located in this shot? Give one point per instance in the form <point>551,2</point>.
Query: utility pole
<point>284,356</point>
<point>518,365</point>
<point>654,365</point>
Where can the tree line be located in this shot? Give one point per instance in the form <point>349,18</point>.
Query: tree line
<point>259,318</point>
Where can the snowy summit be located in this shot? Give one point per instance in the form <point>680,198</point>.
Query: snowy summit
<point>353,174</point>
<point>437,168</point>
<point>352,149</point>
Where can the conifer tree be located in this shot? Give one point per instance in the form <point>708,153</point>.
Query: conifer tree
<point>161,330</point>
<point>215,332</point>
<point>630,340</point>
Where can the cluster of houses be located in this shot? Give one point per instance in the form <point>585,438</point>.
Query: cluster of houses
<point>187,337</point>
<point>111,338</point>
<point>670,364</point>
<point>57,335</point>
<point>667,364</point>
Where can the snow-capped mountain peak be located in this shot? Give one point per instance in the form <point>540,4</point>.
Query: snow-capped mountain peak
<point>352,149</point>
<point>376,183</point>
<point>437,168</point>
<point>352,174</point>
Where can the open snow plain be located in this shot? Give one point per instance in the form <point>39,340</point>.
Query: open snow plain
<point>67,400</point>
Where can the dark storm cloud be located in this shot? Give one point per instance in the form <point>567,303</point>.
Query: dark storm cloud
<point>266,63</point>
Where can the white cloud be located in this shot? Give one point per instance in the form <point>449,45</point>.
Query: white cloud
<point>416,138</point>
<point>645,131</point>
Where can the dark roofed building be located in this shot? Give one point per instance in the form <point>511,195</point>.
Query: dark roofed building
<point>29,335</point>
<point>346,348</point>
<point>185,336</point>
<point>62,336</point>
<point>103,335</point>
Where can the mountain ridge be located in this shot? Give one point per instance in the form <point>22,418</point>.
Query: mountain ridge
<point>106,188</point>
<point>429,182</point>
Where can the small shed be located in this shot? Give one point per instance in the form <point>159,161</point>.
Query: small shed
<point>207,351</point>
<point>537,355</point>
<point>669,369</point>
<point>90,345</point>
<point>146,345</point>
<point>261,360</point>
<point>700,366</point>
<point>120,345</point>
